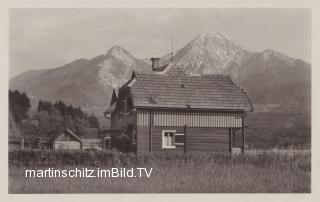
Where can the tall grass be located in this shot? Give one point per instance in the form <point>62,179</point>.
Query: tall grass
<point>266,172</point>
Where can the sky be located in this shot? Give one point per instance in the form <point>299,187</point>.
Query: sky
<point>48,38</point>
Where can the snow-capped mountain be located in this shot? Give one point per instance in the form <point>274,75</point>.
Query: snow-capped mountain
<point>209,53</point>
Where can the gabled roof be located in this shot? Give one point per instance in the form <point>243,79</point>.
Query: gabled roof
<point>176,89</point>
<point>67,132</point>
<point>114,97</point>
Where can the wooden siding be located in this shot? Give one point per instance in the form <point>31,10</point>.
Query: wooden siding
<point>207,139</point>
<point>143,140</point>
<point>91,144</point>
<point>143,118</point>
<point>192,119</point>
<point>198,139</point>
<point>66,145</point>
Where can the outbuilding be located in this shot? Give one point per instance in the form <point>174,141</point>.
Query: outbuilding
<point>67,140</point>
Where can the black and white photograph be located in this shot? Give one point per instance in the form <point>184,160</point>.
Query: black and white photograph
<point>159,100</point>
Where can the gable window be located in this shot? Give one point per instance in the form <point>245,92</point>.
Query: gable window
<point>168,139</point>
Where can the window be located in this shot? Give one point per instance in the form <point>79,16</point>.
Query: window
<point>134,137</point>
<point>168,140</point>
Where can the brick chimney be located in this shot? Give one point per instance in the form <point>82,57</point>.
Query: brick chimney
<point>155,63</point>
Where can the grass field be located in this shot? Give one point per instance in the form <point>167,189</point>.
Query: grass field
<point>254,172</point>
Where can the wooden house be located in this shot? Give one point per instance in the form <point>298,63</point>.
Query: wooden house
<point>67,140</point>
<point>173,111</point>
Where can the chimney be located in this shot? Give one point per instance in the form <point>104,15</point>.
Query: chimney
<point>155,63</point>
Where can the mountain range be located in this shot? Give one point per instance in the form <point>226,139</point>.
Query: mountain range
<point>274,81</point>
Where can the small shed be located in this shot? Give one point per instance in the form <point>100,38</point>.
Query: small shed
<point>67,140</point>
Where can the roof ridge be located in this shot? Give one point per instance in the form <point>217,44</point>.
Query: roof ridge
<point>217,75</point>
<point>243,90</point>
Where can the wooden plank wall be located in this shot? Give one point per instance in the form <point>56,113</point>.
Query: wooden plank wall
<point>205,131</point>
<point>143,118</point>
<point>66,145</point>
<point>199,139</point>
<point>208,139</point>
<point>143,139</point>
<point>192,119</point>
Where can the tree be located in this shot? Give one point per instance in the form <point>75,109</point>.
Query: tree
<point>93,121</point>
<point>54,118</point>
<point>44,106</point>
<point>19,105</point>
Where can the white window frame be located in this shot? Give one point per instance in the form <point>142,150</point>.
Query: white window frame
<point>168,131</point>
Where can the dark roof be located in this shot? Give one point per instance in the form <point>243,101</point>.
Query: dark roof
<point>175,89</point>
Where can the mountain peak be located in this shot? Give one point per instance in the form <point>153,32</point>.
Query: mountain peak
<point>207,35</point>
<point>210,52</point>
<point>121,54</point>
<point>214,39</point>
<point>117,50</point>
<point>269,53</point>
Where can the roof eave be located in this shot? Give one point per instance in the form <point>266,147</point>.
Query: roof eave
<point>193,109</point>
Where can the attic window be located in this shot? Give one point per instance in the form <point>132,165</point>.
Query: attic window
<point>153,99</point>
<point>182,85</point>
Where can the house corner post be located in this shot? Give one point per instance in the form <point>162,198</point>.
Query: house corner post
<point>230,140</point>
<point>150,130</point>
<point>185,138</point>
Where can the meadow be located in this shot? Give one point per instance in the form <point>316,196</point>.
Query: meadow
<point>253,172</point>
